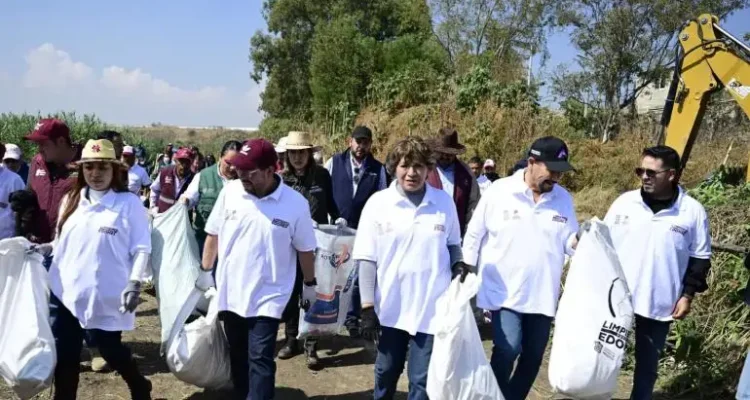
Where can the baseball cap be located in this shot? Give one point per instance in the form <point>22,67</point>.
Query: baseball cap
<point>489,163</point>
<point>553,152</point>
<point>128,150</point>
<point>362,132</point>
<point>12,152</point>
<point>183,153</point>
<point>49,129</point>
<point>255,154</point>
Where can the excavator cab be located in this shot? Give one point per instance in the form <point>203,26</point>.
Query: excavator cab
<point>708,59</point>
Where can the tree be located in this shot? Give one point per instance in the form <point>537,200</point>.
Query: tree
<point>624,46</point>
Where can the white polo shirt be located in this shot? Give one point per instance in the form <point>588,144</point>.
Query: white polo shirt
<point>519,246</point>
<point>93,258</point>
<point>137,179</point>
<point>258,243</point>
<point>409,245</point>
<point>9,183</point>
<point>654,248</point>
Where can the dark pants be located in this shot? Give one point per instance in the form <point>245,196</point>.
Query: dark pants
<point>650,338</point>
<point>355,306</point>
<point>393,348</point>
<point>252,343</point>
<point>68,341</point>
<point>522,337</point>
<point>290,316</point>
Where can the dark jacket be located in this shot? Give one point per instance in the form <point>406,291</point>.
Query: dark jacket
<point>50,184</point>
<point>168,194</point>
<point>315,185</point>
<point>465,191</point>
<point>351,204</point>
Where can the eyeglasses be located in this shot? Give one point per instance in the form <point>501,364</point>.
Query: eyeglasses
<point>649,172</point>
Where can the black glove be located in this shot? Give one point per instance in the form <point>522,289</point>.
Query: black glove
<point>461,270</point>
<point>370,324</point>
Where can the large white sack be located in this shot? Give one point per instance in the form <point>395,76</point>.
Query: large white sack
<point>335,272</point>
<point>593,320</point>
<point>459,369</point>
<point>27,347</point>
<point>198,352</point>
<point>175,262</point>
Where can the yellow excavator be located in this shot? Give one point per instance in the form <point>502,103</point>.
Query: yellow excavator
<point>708,59</point>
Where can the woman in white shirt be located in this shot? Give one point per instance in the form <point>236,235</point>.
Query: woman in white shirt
<point>408,249</point>
<point>100,255</point>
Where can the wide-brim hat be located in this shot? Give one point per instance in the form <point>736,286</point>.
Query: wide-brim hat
<point>281,145</point>
<point>296,140</point>
<point>100,150</point>
<point>447,142</point>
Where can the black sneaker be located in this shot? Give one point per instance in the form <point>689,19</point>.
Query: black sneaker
<point>142,391</point>
<point>354,332</point>
<point>290,349</point>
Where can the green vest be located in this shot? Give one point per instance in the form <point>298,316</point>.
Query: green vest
<point>209,187</point>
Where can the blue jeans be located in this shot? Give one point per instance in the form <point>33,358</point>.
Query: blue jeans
<point>743,388</point>
<point>650,338</point>
<point>252,344</point>
<point>355,306</point>
<point>392,350</point>
<point>518,336</point>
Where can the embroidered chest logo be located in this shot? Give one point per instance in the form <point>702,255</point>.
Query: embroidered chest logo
<point>40,172</point>
<point>621,219</point>
<point>383,228</point>
<point>560,219</point>
<point>507,216</point>
<point>281,223</point>
<point>108,230</point>
<point>678,229</point>
<point>230,215</point>
<point>439,228</point>
<point>168,180</point>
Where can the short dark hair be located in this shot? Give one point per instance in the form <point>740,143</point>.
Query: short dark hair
<point>666,154</point>
<point>108,135</point>
<point>412,149</point>
<point>232,145</point>
<point>475,160</point>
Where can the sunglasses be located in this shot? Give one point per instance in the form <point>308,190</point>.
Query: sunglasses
<point>649,172</point>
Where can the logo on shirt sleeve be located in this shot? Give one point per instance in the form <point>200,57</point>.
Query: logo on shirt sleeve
<point>560,219</point>
<point>108,230</point>
<point>281,223</point>
<point>678,229</point>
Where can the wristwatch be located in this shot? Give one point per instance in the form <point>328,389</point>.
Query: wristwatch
<point>313,282</point>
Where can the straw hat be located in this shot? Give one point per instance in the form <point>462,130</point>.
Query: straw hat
<point>100,150</point>
<point>299,141</point>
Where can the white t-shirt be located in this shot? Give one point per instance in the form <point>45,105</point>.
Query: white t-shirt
<point>409,245</point>
<point>137,179</point>
<point>519,246</point>
<point>483,182</point>
<point>258,244</point>
<point>93,258</point>
<point>654,249</point>
<point>9,183</point>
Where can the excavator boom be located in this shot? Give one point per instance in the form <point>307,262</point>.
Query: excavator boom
<point>709,59</point>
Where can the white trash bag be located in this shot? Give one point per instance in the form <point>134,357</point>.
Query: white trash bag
<point>593,321</point>
<point>335,272</point>
<point>175,264</point>
<point>459,369</point>
<point>27,347</point>
<point>198,353</point>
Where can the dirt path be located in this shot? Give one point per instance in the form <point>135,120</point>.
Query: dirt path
<point>348,372</point>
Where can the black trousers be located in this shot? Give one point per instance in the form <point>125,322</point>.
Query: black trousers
<point>290,316</point>
<point>69,339</point>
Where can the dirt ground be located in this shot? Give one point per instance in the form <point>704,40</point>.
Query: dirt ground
<point>348,372</point>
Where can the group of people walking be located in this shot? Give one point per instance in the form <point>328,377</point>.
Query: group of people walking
<point>422,219</point>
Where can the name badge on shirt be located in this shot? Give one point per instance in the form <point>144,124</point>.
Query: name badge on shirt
<point>281,223</point>
<point>678,229</point>
<point>108,230</point>
<point>560,219</point>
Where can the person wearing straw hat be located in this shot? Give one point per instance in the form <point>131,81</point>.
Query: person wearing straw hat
<point>101,253</point>
<point>304,175</point>
<point>453,176</point>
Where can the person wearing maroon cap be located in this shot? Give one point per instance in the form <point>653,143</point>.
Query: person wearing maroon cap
<point>258,229</point>
<point>172,181</point>
<point>52,172</point>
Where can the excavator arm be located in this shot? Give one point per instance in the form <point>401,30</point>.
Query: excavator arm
<point>709,59</point>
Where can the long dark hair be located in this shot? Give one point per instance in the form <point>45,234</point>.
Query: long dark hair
<point>309,166</point>
<point>74,193</point>
<point>232,145</point>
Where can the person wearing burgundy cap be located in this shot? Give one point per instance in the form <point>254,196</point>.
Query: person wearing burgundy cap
<point>53,171</point>
<point>172,181</point>
<point>258,229</point>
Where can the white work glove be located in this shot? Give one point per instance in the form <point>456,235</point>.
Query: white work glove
<point>44,249</point>
<point>308,295</point>
<point>340,223</point>
<point>205,281</point>
<point>129,297</point>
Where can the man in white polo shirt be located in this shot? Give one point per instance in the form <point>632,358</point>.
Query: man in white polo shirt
<point>138,178</point>
<point>519,234</point>
<point>662,239</point>
<point>258,228</point>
